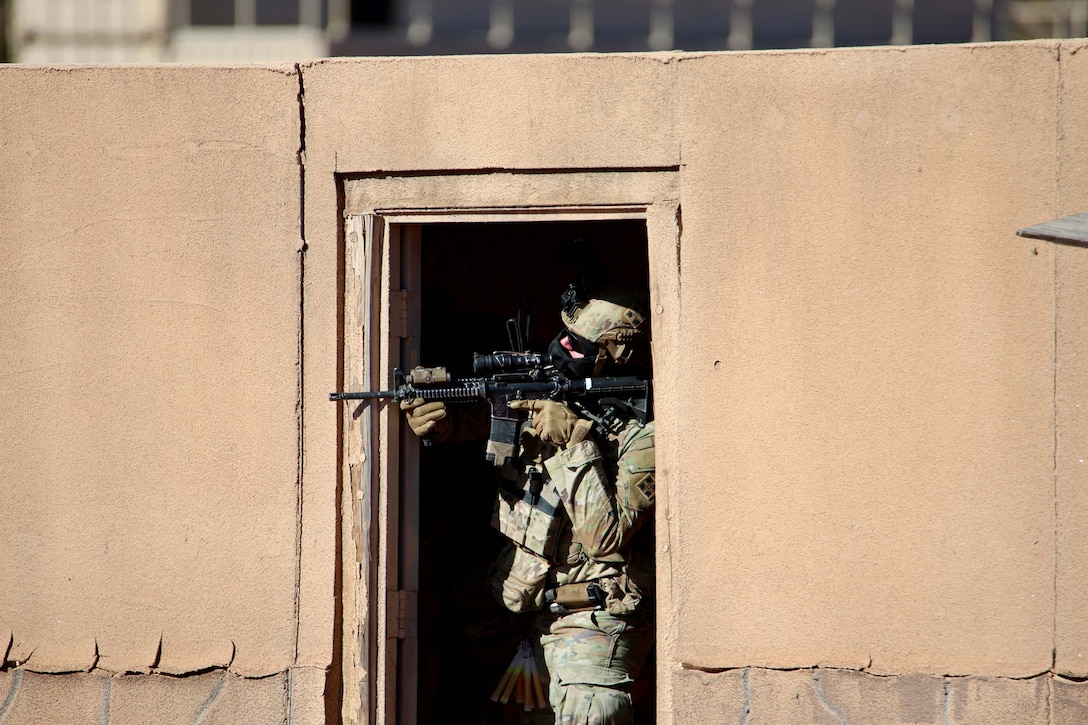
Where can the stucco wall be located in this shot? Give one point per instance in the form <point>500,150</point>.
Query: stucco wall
<point>876,352</point>
<point>870,394</point>
<point>875,349</point>
<point>150,227</point>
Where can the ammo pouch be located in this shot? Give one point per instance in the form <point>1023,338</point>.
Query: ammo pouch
<point>574,597</point>
<point>528,511</point>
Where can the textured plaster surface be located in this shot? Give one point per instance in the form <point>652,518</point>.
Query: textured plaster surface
<point>755,696</point>
<point>28,698</point>
<point>1069,701</point>
<point>484,112</point>
<point>1071,384</point>
<point>148,375</point>
<point>872,391</point>
<point>450,114</point>
<point>869,349</point>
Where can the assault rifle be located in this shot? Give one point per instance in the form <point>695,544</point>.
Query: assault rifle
<point>507,376</point>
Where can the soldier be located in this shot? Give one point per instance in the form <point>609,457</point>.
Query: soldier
<point>577,515</point>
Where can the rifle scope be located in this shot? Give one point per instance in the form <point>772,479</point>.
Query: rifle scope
<point>505,362</point>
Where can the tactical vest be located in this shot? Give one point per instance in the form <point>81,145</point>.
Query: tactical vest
<point>529,511</point>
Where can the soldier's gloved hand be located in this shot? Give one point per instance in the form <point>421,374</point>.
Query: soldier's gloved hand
<point>427,418</point>
<point>554,421</point>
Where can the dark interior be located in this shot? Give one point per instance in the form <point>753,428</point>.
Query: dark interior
<point>475,277</point>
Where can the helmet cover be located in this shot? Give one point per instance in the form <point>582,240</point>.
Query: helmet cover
<point>609,325</point>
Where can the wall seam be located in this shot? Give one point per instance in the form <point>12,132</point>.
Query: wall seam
<point>665,686</point>
<point>675,82</point>
<point>300,416</point>
<point>864,671</point>
<point>1054,368</point>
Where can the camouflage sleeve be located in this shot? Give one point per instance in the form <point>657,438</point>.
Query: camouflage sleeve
<point>605,513</point>
<point>636,471</point>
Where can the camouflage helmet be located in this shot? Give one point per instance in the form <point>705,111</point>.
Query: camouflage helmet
<point>611,322</point>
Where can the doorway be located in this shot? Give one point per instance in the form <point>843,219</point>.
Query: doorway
<point>474,278</point>
<point>433,266</point>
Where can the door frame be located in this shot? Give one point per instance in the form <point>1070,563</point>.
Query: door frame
<point>382,220</point>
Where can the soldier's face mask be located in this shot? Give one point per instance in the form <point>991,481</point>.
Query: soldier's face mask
<point>574,356</point>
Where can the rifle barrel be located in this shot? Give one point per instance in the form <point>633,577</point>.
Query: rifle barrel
<point>365,395</point>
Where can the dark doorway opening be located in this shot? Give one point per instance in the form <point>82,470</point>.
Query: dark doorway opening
<point>475,277</point>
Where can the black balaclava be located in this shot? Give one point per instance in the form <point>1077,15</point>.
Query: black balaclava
<point>571,367</point>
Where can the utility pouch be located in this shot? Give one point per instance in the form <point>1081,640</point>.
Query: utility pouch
<point>528,511</point>
<point>574,597</point>
<point>502,443</point>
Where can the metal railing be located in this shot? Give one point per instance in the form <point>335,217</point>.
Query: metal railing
<point>1049,19</point>
<point>663,16</point>
<point>142,30</point>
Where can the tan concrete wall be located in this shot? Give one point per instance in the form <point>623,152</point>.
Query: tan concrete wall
<point>870,395</point>
<point>876,349</point>
<point>149,276</point>
<point>1071,382</point>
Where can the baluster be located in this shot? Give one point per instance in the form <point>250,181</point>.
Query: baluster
<point>661,25</point>
<point>183,13</point>
<point>980,30</point>
<point>903,23</point>
<point>823,24</point>
<point>1078,19</point>
<point>501,32</point>
<point>339,22</point>
<point>245,12</point>
<point>420,22</point>
<point>740,25</point>
<point>581,25</point>
<point>309,13</point>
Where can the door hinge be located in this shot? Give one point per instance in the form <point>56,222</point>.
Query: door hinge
<point>401,610</point>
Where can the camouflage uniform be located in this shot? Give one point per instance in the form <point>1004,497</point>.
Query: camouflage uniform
<point>577,519</point>
<point>602,497</point>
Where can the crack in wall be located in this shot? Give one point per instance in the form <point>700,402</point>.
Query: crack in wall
<point>1050,701</point>
<point>825,700</point>
<point>300,363</point>
<point>17,685</point>
<point>1054,380</point>
<point>158,655</point>
<point>679,257</point>
<point>947,700</point>
<point>212,699</point>
<point>747,711</point>
<point>16,681</point>
<point>289,696</point>
<point>105,717</point>
<point>864,670</point>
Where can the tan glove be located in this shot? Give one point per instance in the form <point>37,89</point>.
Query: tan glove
<point>554,422</point>
<point>427,418</point>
